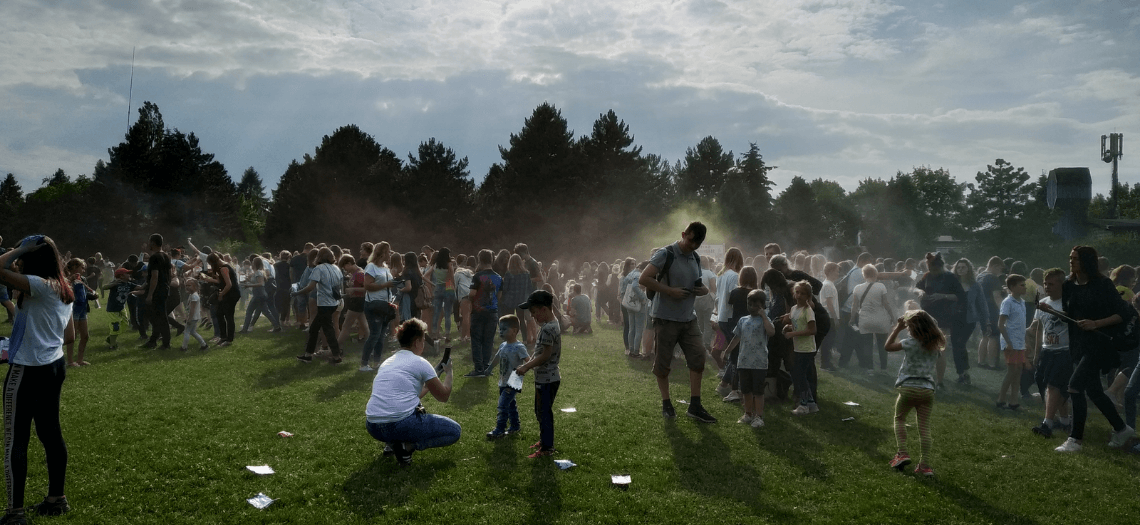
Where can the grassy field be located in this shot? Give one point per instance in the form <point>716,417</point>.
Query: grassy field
<point>164,437</point>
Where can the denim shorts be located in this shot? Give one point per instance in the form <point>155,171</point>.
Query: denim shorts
<point>79,311</point>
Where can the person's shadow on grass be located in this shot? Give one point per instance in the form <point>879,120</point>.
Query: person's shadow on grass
<point>382,484</point>
<point>357,382</point>
<point>703,463</point>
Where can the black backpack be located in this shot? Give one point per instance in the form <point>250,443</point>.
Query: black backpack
<point>664,272</point>
<point>1126,334</point>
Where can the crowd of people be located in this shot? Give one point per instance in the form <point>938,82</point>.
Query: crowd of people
<point>767,322</point>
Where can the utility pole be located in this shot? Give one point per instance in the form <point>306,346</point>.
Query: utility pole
<point>1111,149</point>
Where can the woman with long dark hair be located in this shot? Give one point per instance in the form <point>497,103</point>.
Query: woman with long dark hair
<point>228,296</point>
<point>1092,301</point>
<point>35,376</point>
<point>443,301</point>
<point>967,314</point>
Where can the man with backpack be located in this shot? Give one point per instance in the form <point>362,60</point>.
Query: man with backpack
<point>674,278</point>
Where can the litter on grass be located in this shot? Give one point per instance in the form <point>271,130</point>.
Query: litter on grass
<point>569,410</point>
<point>260,500</point>
<point>263,470</point>
<point>622,481</point>
<point>852,418</point>
<point>682,401</point>
<point>851,403</point>
<point>564,463</point>
<point>285,434</point>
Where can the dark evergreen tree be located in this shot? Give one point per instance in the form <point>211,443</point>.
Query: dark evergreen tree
<point>705,170</point>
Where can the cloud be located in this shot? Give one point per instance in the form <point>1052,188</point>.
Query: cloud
<point>842,89</point>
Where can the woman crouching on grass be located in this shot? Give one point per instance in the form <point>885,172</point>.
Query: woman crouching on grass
<point>916,382</point>
<point>394,414</point>
<point>35,378</point>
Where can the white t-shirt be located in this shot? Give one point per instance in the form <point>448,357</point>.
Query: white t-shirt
<point>725,284</point>
<point>830,292</point>
<point>873,317</point>
<point>37,331</point>
<point>1054,330</point>
<point>381,275</point>
<point>194,309</point>
<point>396,389</point>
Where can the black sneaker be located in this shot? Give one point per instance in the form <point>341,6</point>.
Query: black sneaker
<point>150,345</point>
<point>52,508</point>
<point>404,453</point>
<point>668,412</point>
<point>305,358</point>
<point>14,518</point>
<point>474,373</point>
<point>388,450</point>
<point>495,434</point>
<point>699,413</point>
<point>1043,430</point>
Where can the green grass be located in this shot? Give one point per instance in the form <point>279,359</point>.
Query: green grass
<point>164,437</point>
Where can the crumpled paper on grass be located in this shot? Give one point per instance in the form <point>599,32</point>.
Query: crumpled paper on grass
<point>260,500</point>
<point>564,463</point>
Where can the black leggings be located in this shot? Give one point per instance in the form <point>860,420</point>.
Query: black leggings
<point>226,318</point>
<point>323,322</point>
<point>31,393</point>
<point>1086,378</point>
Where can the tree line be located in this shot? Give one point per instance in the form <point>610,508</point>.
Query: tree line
<point>567,196</point>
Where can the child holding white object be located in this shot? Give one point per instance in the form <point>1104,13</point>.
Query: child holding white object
<point>915,383</point>
<point>751,335</point>
<point>512,353</point>
<point>800,328</point>
<point>193,315</point>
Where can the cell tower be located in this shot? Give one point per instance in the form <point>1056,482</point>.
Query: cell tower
<point>1111,149</point>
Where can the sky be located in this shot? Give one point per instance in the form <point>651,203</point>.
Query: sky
<point>840,89</point>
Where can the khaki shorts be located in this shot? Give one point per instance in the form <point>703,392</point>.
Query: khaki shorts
<point>668,334</point>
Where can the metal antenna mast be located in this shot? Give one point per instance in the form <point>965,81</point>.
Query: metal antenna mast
<point>131,90</point>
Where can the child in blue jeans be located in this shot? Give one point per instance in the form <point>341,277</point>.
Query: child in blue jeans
<point>512,353</point>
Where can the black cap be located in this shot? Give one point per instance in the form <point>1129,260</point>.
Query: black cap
<point>538,298</point>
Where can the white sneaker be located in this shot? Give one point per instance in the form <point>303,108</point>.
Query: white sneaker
<point>801,410</point>
<point>1119,439</point>
<point>365,368</point>
<point>757,422</point>
<point>733,396</point>
<point>745,419</point>
<point>723,389</point>
<point>1070,445</point>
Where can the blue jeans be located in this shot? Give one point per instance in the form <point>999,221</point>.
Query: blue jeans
<point>258,305</point>
<point>1130,393</point>
<point>636,330</point>
<point>425,430</point>
<point>544,394</point>
<point>803,376</point>
<point>442,303</point>
<point>625,315</point>
<point>508,410</point>
<point>483,325</point>
<point>377,329</point>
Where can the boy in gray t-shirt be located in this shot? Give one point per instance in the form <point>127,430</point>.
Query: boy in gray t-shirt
<point>512,354</point>
<point>547,376</point>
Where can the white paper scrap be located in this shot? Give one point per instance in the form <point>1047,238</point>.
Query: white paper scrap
<point>565,463</point>
<point>260,500</point>
<point>515,381</point>
<point>682,401</point>
<point>851,403</point>
<point>260,469</point>
<point>619,480</point>
<point>285,434</point>
<point>569,410</point>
